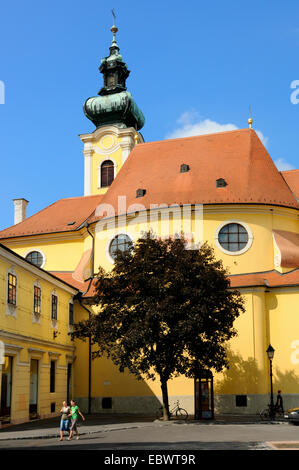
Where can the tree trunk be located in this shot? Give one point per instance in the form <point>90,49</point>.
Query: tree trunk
<point>166,414</point>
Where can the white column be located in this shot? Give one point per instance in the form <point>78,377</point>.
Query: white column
<point>88,152</point>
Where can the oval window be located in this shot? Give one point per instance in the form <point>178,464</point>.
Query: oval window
<point>233,237</point>
<point>119,243</point>
<point>36,258</point>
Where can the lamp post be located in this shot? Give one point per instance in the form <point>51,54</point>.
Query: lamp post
<point>270,353</point>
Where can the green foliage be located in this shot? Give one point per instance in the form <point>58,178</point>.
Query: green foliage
<point>164,310</point>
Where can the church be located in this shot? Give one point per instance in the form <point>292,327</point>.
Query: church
<point>222,188</point>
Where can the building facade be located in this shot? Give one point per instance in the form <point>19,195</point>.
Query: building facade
<point>221,188</point>
<point>37,354</point>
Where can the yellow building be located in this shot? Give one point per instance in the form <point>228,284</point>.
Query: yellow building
<point>221,188</point>
<point>36,352</point>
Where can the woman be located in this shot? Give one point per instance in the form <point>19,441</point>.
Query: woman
<point>65,422</point>
<point>75,411</point>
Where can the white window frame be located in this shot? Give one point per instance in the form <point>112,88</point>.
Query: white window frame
<point>36,317</point>
<point>40,252</point>
<point>234,253</point>
<point>99,171</point>
<point>70,327</point>
<point>11,309</point>
<point>54,321</point>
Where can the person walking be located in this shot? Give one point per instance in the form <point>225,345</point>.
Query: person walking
<point>74,415</point>
<point>279,402</point>
<point>64,422</point>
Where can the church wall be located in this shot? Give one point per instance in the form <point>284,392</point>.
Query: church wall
<point>247,373</point>
<point>60,254</point>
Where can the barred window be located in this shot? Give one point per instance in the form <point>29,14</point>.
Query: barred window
<point>54,307</point>
<point>233,237</point>
<point>12,289</point>
<point>37,300</point>
<point>36,258</point>
<point>119,243</point>
<point>71,313</point>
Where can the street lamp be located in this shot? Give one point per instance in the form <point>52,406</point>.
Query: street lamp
<point>270,353</point>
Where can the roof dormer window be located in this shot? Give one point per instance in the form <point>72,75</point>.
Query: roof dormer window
<point>184,168</point>
<point>140,192</point>
<point>221,183</point>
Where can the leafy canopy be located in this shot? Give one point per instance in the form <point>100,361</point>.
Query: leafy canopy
<point>163,310</point>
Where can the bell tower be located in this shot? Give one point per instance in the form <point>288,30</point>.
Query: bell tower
<point>117,119</point>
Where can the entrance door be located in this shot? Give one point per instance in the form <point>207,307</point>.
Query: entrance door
<point>33,389</point>
<point>6,389</point>
<point>204,396</point>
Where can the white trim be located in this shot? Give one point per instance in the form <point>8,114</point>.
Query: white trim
<point>88,153</point>
<point>234,253</point>
<point>99,175</point>
<point>31,339</point>
<point>40,252</point>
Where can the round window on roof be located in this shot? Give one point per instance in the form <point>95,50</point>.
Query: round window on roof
<point>36,258</point>
<point>119,243</point>
<point>234,238</point>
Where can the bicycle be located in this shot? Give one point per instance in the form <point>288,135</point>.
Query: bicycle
<point>177,410</point>
<point>266,413</point>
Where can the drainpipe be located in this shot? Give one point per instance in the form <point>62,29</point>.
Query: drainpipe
<point>79,298</point>
<point>86,225</point>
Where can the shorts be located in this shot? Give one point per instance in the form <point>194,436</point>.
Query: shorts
<point>74,425</point>
<point>64,424</point>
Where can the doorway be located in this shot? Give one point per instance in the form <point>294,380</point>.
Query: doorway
<point>204,395</point>
<point>6,390</point>
<point>33,389</point>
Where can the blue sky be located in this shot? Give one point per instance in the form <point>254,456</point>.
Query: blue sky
<point>195,67</point>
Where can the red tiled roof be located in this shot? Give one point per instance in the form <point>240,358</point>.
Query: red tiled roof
<point>265,279</point>
<point>84,287</point>
<point>65,215</point>
<point>292,179</point>
<point>261,279</point>
<point>238,157</point>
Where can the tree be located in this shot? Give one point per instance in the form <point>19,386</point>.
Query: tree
<point>163,311</point>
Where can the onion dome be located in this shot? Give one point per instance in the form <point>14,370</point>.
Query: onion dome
<point>114,105</point>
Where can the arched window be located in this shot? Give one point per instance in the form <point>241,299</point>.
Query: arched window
<point>107,173</point>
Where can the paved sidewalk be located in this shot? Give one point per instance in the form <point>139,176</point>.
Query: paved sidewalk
<point>49,428</point>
